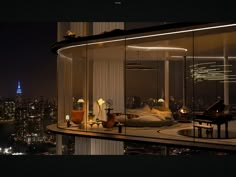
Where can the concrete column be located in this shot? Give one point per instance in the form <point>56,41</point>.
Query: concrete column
<point>59,144</point>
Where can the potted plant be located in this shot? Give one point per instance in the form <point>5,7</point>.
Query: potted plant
<point>77,113</point>
<point>69,35</point>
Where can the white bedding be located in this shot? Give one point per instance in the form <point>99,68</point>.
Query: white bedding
<point>146,117</point>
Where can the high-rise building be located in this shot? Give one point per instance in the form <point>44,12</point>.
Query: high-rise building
<point>18,90</point>
<point>18,94</point>
<point>20,111</point>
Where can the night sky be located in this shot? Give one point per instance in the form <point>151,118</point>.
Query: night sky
<point>26,56</point>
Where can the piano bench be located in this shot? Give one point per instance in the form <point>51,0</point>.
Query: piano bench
<point>209,130</point>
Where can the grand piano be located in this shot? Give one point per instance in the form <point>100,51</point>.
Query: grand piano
<point>217,113</point>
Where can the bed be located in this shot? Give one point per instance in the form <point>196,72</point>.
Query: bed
<point>146,117</point>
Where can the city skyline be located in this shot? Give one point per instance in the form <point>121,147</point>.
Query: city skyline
<point>26,57</point>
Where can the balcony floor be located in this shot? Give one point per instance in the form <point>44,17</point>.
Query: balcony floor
<point>177,134</point>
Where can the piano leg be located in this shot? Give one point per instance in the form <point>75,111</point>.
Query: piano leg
<point>226,130</point>
<point>218,130</point>
<point>199,132</point>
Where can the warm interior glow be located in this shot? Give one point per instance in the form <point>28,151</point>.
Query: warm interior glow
<point>146,48</point>
<point>160,100</point>
<point>80,100</point>
<point>67,117</point>
<point>100,101</point>
<point>146,36</point>
<point>184,110</point>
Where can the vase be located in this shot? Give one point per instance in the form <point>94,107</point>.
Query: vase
<point>77,116</point>
<point>111,120</point>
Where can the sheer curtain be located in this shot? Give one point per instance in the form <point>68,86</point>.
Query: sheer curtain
<point>64,85</point>
<point>108,79</point>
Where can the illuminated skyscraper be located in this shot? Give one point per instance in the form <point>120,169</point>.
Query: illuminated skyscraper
<point>18,91</point>
<point>18,99</point>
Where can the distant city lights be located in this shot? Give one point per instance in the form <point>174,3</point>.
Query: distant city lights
<point>6,151</point>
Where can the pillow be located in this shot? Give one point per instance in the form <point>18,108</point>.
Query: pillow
<point>146,108</point>
<point>163,114</point>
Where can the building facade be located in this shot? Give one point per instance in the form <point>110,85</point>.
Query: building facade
<point>146,84</point>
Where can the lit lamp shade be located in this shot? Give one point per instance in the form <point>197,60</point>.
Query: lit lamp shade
<point>161,102</point>
<point>100,101</point>
<point>67,118</point>
<point>184,114</point>
<point>184,110</point>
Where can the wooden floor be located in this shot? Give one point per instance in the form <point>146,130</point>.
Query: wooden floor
<point>177,134</point>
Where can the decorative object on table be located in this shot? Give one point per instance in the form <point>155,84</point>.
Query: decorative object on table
<point>69,35</point>
<point>91,123</point>
<point>184,114</point>
<point>105,118</point>
<point>161,102</point>
<point>77,114</point>
<point>119,127</point>
<point>152,102</point>
<point>100,112</point>
<point>111,119</point>
<point>91,116</point>
<point>109,103</point>
<point>98,122</point>
<point>68,120</point>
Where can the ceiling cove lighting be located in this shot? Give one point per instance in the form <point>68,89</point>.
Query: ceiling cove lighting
<point>183,31</point>
<point>147,36</point>
<point>63,56</point>
<point>205,57</point>
<point>145,48</point>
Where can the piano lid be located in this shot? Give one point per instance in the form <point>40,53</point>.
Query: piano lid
<point>217,106</point>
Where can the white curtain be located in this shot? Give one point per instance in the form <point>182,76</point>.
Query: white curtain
<point>64,85</point>
<point>108,79</point>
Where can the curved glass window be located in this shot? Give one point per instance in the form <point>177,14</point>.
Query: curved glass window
<point>155,84</point>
